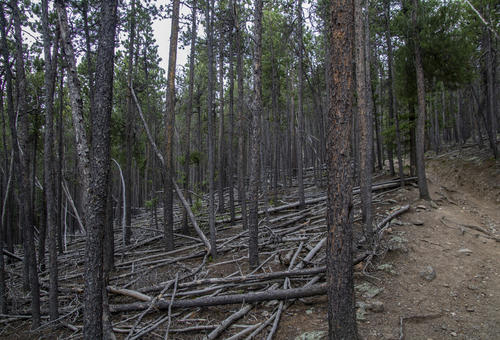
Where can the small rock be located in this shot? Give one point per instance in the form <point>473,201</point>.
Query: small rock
<point>314,335</point>
<point>376,306</point>
<point>418,222</point>
<point>472,287</point>
<point>453,334</point>
<point>368,290</point>
<point>396,222</point>
<point>434,205</point>
<point>428,273</point>
<point>388,268</point>
<point>470,309</point>
<point>465,251</point>
<point>389,230</point>
<point>309,311</point>
<point>398,243</point>
<point>421,207</point>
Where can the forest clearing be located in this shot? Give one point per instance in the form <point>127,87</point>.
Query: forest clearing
<point>246,169</point>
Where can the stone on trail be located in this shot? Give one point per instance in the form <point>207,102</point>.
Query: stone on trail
<point>428,273</point>
<point>313,335</point>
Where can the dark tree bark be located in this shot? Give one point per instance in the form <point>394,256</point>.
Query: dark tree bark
<point>420,133</point>
<point>189,114</point>
<point>60,159</point>
<point>341,312</point>
<point>253,195</point>
<point>49,185</point>
<point>231,116</point>
<point>20,137</point>
<point>300,139</point>
<point>95,213</point>
<point>364,120</point>
<point>490,93</point>
<point>209,13</point>
<point>169,131</point>
<point>220,153</point>
<point>241,118</point>
<point>129,128</point>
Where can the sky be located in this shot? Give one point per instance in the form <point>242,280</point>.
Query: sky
<point>161,30</point>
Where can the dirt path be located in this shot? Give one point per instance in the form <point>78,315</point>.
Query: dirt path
<point>443,273</point>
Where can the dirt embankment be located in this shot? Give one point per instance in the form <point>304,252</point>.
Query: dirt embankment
<point>440,276</point>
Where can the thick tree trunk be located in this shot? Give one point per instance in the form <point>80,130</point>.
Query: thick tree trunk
<point>20,137</point>
<point>364,120</point>
<point>169,131</point>
<point>49,185</point>
<point>341,312</point>
<point>420,133</point>
<point>95,213</point>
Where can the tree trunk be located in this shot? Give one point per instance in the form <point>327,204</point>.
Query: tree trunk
<point>490,94</point>
<point>231,117</point>
<point>253,196</point>
<point>364,120</point>
<point>220,153</point>
<point>49,185</point>
<point>300,139</point>
<point>169,131</point>
<point>241,120</point>
<point>209,13</point>
<point>420,132</point>
<point>189,114</point>
<point>341,312</point>
<point>129,128</point>
<point>82,146</point>
<point>95,212</point>
<point>20,137</point>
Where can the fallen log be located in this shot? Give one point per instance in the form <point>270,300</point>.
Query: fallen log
<point>12,255</point>
<point>278,294</point>
<point>251,278</point>
<point>356,190</point>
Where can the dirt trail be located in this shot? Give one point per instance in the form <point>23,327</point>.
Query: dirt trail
<point>443,273</point>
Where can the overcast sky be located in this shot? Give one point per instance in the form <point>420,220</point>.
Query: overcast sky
<point>162,35</point>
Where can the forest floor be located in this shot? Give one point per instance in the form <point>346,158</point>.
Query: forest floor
<point>436,274</point>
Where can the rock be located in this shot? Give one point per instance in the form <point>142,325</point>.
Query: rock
<point>418,222</point>
<point>397,243</point>
<point>376,306</point>
<point>361,311</point>
<point>309,311</point>
<point>434,205</point>
<point>388,268</point>
<point>470,309</point>
<point>313,335</point>
<point>472,287</point>
<point>396,222</point>
<point>465,251</point>
<point>421,207</point>
<point>368,290</point>
<point>454,334</point>
<point>428,273</point>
